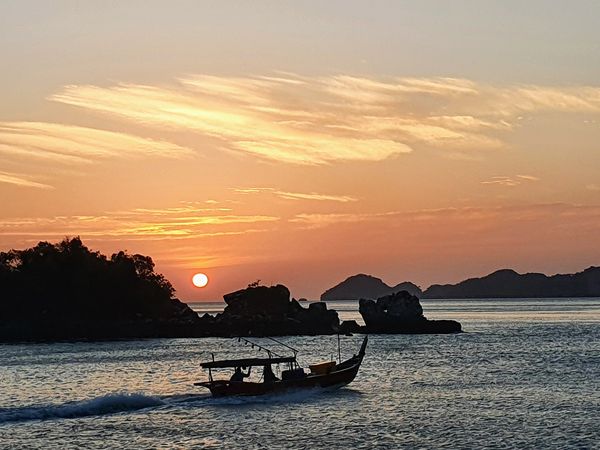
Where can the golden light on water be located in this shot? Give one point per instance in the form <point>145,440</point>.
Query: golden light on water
<point>200,280</point>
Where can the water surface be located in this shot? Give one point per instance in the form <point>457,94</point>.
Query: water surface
<point>525,374</point>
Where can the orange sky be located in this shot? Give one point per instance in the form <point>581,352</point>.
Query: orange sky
<point>260,158</point>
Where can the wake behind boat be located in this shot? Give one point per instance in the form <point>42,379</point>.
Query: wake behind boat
<point>322,375</point>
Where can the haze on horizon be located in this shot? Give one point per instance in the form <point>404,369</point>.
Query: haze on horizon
<point>303,142</point>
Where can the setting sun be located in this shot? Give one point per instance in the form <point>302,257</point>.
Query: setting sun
<point>200,280</point>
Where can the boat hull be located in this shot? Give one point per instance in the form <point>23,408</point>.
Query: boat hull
<point>339,376</point>
<point>332,380</point>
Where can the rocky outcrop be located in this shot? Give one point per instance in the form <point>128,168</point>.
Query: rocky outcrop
<point>65,291</point>
<point>366,286</point>
<point>268,311</point>
<point>401,313</point>
<point>351,326</point>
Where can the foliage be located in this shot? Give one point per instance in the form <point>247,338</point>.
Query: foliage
<point>69,280</point>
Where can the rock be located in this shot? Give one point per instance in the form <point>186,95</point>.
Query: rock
<point>268,311</point>
<point>273,300</point>
<point>402,306</point>
<point>390,310</point>
<point>318,307</point>
<point>401,313</point>
<point>350,326</point>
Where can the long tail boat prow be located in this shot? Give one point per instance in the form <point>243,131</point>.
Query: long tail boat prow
<point>329,374</point>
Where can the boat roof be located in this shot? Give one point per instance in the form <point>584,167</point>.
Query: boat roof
<point>246,362</point>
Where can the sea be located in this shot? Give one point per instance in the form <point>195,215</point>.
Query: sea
<point>525,374</point>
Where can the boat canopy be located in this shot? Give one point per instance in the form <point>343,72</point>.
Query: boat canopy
<point>247,362</point>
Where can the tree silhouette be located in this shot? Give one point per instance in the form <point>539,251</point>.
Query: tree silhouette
<point>68,281</point>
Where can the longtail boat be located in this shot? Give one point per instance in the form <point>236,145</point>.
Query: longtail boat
<point>330,374</point>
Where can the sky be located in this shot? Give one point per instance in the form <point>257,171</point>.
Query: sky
<point>304,142</point>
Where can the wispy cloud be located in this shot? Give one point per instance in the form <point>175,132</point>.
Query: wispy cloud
<point>315,196</point>
<point>21,181</point>
<point>58,144</point>
<point>296,195</point>
<point>141,223</point>
<point>528,177</point>
<point>439,217</point>
<point>510,181</point>
<point>252,190</point>
<point>241,112</point>
<point>80,144</point>
<point>320,120</point>
<point>310,221</point>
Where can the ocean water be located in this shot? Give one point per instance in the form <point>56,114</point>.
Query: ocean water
<point>525,374</point>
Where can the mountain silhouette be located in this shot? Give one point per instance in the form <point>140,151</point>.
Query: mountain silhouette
<point>366,286</point>
<point>504,283</point>
<point>507,283</point>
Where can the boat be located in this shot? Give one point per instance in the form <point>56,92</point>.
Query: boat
<point>329,375</point>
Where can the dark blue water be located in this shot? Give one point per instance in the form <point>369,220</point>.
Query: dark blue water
<point>525,375</point>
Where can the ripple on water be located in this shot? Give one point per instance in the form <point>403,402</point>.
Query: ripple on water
<point>528,383</point>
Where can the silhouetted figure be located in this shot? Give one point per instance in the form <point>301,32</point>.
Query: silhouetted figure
<point>238,375</point>
<point>268,375</point>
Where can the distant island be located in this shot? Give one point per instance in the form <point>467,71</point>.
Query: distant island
<point>367,286</point>
<point>505,283</point>
<point>65,291</point>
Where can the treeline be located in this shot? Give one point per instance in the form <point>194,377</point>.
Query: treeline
<point>67,281</point>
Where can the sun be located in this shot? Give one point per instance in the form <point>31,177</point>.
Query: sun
<point>200,280</point>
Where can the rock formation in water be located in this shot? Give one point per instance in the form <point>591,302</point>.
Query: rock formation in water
<point>507,283</point>
<point>366,286</point>
<point>401,313</point>
<point>268,311</point>
<point>65,291</point>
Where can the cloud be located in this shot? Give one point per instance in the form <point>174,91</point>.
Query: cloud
<point>74,145</point>
<point>315,196</point>
<point>320,120</point>
<point>310,221</point>
<point>21,181</point>
<point>442,216</point>
<point>253,190</point>
<point>528,177</point>
<point>240,112</point>
<point>141,223</point>
<point>510,181</point>
<point>296,195</point>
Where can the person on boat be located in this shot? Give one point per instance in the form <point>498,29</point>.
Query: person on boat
<point>238,375</point>
<point>268,375</point>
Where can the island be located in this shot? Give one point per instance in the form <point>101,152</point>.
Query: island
<point>65,291</point>
<point>504,283</point>
<point>507,283</point>
<point>367,286</point>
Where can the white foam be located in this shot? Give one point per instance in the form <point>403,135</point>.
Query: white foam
<point>107,404</point>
